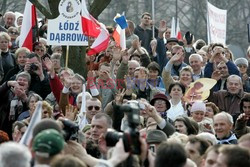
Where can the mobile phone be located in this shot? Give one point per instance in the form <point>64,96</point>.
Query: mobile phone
<point>152,147</point>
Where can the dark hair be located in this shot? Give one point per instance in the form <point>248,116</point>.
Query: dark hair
<point>154,66</point>
<point>246,98</point>
<point>108,119</point>
<point>214,148</point>
<point>93,149</point>
<point>183,89</point>
<point>213,106</point>
<point>46,124</point>
<point>235,156</point>
<point>170,154</point>
<point>192,127</point>
<point>19,125</point>
<point>145,13</point>
<point>30,56</point>
<point>203,143</point>
<point>217,44</point>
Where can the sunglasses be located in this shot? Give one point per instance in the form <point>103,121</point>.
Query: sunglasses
<point>242,66</point>
<point>91,107</point>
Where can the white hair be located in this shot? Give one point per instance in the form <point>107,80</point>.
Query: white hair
<point>227,116</point>
<point>196,56</point>
<point>88,96</point>
<point>14,154</point>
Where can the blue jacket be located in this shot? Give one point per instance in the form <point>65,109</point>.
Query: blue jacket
<point>232,69</point>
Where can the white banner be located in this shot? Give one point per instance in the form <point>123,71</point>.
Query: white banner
<point>216,24</point>
<point>66,29</point>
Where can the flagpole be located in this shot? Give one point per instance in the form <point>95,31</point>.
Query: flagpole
<point>67,56</point>
<point>153,18</point>
<point>176,15</point>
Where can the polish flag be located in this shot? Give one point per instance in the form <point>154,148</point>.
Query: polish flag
<point>90,25</point>
<point>29,23</point>
<point>175,29</point>
<point>178,31</point>
<point>101,43</point>
<point>119,37</point>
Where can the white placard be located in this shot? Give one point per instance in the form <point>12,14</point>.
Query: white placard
<point>66,29</point>
<point>216,24</point>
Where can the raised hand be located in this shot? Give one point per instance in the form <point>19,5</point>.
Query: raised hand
<point>216,75</point>
<point>177,56</point>
<point>116,53</point>
<point>125,56</point>
<point>71,112</point>
<point>119,96</point>
<point>163,26</point>
<point>242,117</point>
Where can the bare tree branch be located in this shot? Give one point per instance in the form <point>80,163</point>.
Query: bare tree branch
<point>42,9</point>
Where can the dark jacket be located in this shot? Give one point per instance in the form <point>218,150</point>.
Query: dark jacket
<point>145,36</point>
<point>6,96</point>
<point>208,71</point>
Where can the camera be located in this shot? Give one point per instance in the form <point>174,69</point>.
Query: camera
<point>131,135</point>
<point>33,67</point>
<point>70,130</point>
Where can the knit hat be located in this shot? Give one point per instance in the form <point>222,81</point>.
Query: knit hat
<point>48,143</point>
<point>156,136</point>
<point>162,97</point>
<point>198,106</point>
<point>241,61</point>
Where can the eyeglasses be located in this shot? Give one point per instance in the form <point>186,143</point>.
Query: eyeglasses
<point>96,107</point>
<point>160,102</point>
<point>220,68</point>
<point>242,66</point>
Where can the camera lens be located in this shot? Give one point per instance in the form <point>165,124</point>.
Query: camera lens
<point>112,138</point>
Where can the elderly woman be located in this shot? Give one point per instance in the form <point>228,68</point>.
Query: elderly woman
<point>21,58</point>
<point>242,64</point>
<point>8,59</point>
<point>32,99</point>
<point>13,33</point>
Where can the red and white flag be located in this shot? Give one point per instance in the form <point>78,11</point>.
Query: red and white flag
<point>178,31</point>
<point>175,29</point>
<point>29,22</point>
<point>101,43</point>
<point>120,37</point>
<point>90,25</point>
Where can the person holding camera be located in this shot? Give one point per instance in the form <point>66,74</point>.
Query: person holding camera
<point>39,77</point>
<point>214,69</point>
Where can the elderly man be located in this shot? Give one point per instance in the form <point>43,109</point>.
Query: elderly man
<point>242,125</point>
<point>223,125</point>
<point>93,106</point>
<point>195,61</point>
<point>13,97</point>
<point>228,100</point>
<point>9,19</point>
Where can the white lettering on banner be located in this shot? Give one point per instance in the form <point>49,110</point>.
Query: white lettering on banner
<point>216,24</point>
<point>66,29</point>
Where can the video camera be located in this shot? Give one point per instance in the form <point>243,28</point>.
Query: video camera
<point>70,130</point>
<point>131,135</point>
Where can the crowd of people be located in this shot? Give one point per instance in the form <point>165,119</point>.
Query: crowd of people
<point>136,113</point>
